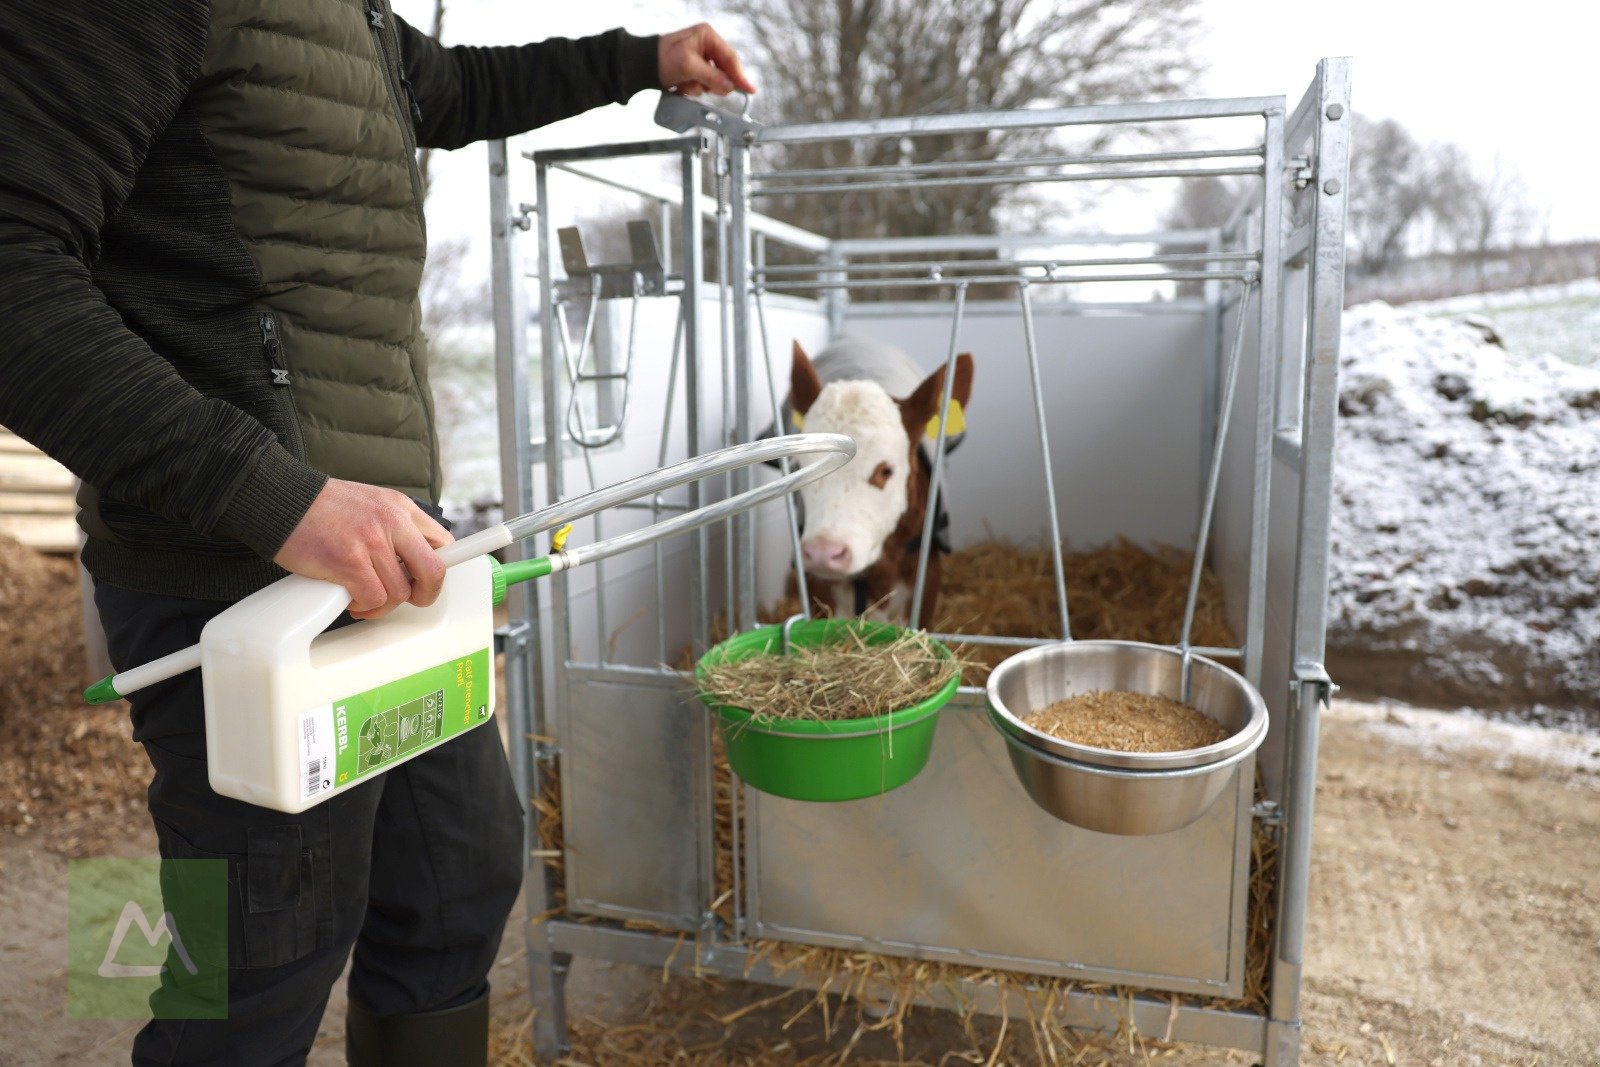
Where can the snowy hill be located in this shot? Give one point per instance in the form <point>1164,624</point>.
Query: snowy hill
<point>1467,519</point>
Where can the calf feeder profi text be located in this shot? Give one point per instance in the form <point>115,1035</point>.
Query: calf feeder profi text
<point>293,714</point>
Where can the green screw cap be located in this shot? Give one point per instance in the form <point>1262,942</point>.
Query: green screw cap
<point>497,582</point>
<point>102,692</point>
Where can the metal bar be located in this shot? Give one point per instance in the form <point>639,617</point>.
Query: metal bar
<point>936,480</point>
<point>1268,333</point>
<point>780,231</point>
<point>524,671</point>
<point>1020,119</point>
<point>866,246</point>
<point>1298,245</point>
<point>1324,307</point>
<point>990,309</point>
<point>702,774</point>
<point>1208,505</point>
<point>725,355</point>
<point>884,169</point>
<point>1096,1009</point>
<point>741,245</point>
<point>547,969</point>
<point>657,505</point>
<point>787,269</point>
<point>1032,345</point>
<point>998,640</point>
<point>994,639</point>
<point>556,157</point>
<point>1011,279</point>
<point>1005,179</point>
<point>836,300</point>
<point>793,512</point>
<point>1212,368</point>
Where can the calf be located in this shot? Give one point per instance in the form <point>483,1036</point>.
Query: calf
<point>863,524</point>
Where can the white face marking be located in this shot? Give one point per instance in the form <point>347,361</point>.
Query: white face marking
<point>845,508</point>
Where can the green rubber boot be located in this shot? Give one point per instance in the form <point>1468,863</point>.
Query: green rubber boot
<point>458,1037</point>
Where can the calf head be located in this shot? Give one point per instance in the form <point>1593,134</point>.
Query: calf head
<point>875,503</point>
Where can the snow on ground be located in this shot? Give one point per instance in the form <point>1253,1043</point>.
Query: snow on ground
<point>1561,320</point>
<point>1466,517</point>
<point>1446,736</point>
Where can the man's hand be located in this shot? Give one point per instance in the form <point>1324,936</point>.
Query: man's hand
<point>375,542</point>
<point>697,60</point>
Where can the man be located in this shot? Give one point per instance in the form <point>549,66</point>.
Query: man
<point>211,238</point>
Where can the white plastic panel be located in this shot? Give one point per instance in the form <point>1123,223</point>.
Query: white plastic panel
<point>1123,407</point>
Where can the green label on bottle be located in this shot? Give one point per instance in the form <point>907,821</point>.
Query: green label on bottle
<point>369,732</point>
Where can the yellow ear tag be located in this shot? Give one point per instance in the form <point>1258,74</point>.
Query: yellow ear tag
<point>957,422</point>
<point>797,420</point>
<point>558,540</point>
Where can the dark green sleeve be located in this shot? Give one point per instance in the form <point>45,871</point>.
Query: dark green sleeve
<point>86,86</point>
<point>469,94</point>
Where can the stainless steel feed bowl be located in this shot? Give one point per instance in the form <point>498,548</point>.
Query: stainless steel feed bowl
<point>1037,678</point>
<point>1122,792</point>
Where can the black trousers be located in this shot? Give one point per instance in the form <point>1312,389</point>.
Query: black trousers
<point>415,870</point>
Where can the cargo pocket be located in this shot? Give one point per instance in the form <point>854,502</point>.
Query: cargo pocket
<point>271,894</point>
<point>280,922</point>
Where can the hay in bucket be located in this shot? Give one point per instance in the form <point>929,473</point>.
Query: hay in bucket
<point>844,678</point>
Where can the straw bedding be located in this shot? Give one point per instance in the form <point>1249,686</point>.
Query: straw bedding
<point>70,771</point>
<point>863,1007</point>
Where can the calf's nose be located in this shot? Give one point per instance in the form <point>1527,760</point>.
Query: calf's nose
<point>826,553</point>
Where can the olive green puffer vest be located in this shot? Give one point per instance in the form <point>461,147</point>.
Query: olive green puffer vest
<point>305,107</point>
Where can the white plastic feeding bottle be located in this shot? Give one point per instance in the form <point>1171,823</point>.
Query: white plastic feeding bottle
<point>294,715</point>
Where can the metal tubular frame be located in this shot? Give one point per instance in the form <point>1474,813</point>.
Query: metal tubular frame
<point>1251,249</point>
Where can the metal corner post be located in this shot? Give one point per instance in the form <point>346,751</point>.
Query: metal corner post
<point>1267,357</point>
<point>693,271</point>
<point>1319,415</point>
<point>738,149</point>
<point>524,672</point>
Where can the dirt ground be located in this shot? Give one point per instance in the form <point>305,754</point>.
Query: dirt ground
<point>1455,919</point>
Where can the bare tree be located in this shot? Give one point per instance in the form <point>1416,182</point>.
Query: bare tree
<point>853,59</point>
<point>1486,210</point>
<point>1203,204</point>
<point>1394,185</point>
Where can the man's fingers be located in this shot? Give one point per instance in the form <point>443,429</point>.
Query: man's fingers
<point>435,534</point>
<point>718,51</point>
<point>427,573</point>
<point>396,583</point>
<point>366,593</point>
<point>699,69</point>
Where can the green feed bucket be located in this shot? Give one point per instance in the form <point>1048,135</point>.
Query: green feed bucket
<point>846,759</point>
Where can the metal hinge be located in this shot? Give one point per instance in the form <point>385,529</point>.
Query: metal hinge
<point>1314,674</point>
<point>1268,812</point>
<point>522,219</point>
<point>1300,171</point>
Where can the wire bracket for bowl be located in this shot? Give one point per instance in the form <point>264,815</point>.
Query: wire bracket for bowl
<point>644,274</point>
<point>788,630</point>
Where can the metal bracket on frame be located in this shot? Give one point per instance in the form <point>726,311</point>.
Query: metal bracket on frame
<point>680,114</point>
<point>1316,676</point>
<point>643,275</point>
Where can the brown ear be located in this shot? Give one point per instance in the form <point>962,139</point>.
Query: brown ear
<point>804,385</point>
<point>923,403</point>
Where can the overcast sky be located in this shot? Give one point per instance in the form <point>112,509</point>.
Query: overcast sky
<point>1513,79</point>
